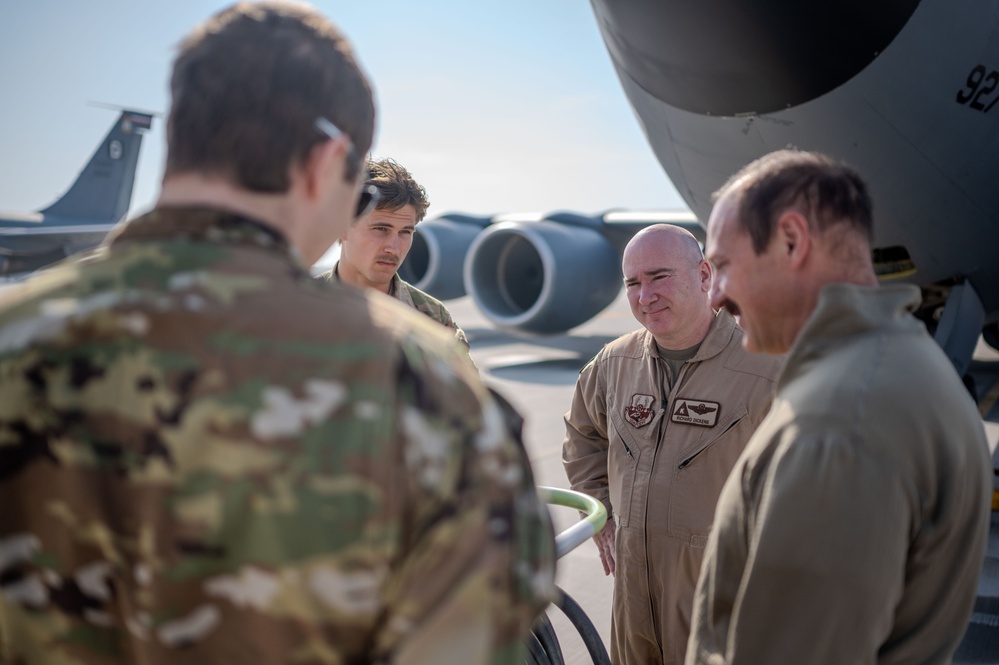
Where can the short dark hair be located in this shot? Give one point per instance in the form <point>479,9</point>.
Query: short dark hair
<point>397,187</point>
<point>829,191</point>
<point>248,85</point>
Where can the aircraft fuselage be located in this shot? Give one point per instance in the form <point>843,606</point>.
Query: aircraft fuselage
<point>918,119</point>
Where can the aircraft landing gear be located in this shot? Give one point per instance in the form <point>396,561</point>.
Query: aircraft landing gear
<point>960,325</point>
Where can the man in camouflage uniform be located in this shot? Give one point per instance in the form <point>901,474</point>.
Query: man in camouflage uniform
<point>206,456</point>
<point>374,247</point>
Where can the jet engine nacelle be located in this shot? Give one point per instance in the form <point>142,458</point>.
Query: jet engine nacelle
<point>434,263</point>
<point>543,277</point>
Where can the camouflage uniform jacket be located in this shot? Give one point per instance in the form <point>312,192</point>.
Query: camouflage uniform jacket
<point>419,300</point>
<point>206,456</point>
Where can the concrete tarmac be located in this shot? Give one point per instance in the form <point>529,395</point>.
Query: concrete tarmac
<point>538,375</point>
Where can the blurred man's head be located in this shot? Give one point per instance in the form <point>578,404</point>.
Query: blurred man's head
<point>782,228</point>
<point>667,281</point>
<point>375,245</point>
<point>248,87</point>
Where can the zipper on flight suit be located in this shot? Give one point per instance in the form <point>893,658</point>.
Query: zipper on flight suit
<point>690,459</point>
<point>664,400</point>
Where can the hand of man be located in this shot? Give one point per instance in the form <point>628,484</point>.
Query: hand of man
<point>605,540</point>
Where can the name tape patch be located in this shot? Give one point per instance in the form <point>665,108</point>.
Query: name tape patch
<point>695,412</point>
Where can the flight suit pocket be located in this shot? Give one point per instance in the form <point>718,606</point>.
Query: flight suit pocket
<point>623,458</point>
<point>621,480</point>
<point>699,473</point>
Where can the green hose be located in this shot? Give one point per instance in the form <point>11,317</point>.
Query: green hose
<point>580,532</point>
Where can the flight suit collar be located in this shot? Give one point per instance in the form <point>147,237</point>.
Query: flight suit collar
<point>844,310</point>
<point>718,337</point>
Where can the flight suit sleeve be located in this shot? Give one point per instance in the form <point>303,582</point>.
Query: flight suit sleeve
<point>823,577</point>
<point>479,562</point>
<point>584,449</point>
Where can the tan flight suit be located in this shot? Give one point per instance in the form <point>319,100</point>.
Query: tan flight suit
<point>658,465</point>
<point>853,529</point>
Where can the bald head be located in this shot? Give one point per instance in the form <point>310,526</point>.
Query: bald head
<point>667,238</point>
<point>668,281</point>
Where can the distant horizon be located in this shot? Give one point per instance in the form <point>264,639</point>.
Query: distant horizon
<point>523,115</point>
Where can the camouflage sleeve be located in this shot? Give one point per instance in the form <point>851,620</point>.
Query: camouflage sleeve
<point>459,335</point>
<point>480,562</point>
<point>327,277</point>
<point>448,320</point>
<point>441,313</point>
<point>435,309</point>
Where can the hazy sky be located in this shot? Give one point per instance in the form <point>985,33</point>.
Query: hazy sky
<point>494,105</point>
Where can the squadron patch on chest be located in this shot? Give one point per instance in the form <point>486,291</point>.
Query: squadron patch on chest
<point>640,413</point>
<point>695,412</point>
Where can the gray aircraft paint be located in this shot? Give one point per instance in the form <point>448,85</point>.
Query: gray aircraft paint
<point>97,200</point>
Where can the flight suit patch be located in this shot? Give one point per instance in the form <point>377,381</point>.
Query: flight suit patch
<point>695,412</point>
<point>640,413</point>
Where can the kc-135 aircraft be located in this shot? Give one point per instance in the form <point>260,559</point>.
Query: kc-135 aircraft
<point>905,91</point>
<point>81,218</point>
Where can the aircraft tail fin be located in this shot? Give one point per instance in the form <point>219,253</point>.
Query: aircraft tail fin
<point>103,190</point>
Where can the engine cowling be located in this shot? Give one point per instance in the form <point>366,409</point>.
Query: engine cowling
<point>543,277</point>
<point>434,263</point>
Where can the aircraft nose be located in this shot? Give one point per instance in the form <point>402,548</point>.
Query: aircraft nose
<point>730,57</point>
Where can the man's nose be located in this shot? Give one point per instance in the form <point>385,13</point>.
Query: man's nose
<point>646,294</point>
<point>392,244</point>
<point>717,295</point>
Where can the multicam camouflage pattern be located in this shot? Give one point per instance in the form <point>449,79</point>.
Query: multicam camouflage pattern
<point>206,456</point>
<point>419,300</point>
<point>411,296</point>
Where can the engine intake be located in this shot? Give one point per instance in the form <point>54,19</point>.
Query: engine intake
<point>543,277</point>
<point>434,263</point>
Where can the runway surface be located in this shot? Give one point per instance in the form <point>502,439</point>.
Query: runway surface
<point>538,376</point>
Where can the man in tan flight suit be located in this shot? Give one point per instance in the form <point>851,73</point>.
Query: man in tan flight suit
<point>658,419</point>
<point>853,528</point>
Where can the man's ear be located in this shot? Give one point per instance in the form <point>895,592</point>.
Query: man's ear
<point>325,165</point>
<point>704,271</point>
<point>794,237</point>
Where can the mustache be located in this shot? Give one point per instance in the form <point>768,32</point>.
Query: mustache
<point>387,258</point>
